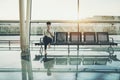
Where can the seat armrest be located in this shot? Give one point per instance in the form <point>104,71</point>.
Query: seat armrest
<point>111,39</point>
<point>41,39</point>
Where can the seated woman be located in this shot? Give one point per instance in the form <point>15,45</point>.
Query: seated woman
<point>48,37</point>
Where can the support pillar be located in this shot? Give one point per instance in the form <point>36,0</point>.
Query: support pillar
<point>77,67</point>
<point>25,40</point>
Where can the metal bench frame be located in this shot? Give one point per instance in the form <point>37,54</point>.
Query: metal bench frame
<point>81,42</point>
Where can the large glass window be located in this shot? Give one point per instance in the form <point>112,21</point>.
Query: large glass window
<point>9,9</point>
<point>57,11</point>
<point>54,9</point>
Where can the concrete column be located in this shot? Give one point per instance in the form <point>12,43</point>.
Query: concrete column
<point>22,24</point>
<point>25,40</point>
<point>28,19</point>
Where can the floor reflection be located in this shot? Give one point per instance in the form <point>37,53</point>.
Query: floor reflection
<point>79,60</point>
<point>48,64</point>
<point>59,67</point>
<point>26,64</point>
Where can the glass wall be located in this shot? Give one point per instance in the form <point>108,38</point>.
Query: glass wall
<point>66,59</point>
<point>54,10</point>
<point>9,10</point>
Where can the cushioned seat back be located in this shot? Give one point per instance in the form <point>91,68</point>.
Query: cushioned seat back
<point>102,37</point>
<point>89,37</point>
<point>61,37</point>
<point>75,37</point>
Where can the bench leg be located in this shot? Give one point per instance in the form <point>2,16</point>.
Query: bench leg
<point>41,50</point>
<point>110,50</point>
<point>68,50</point>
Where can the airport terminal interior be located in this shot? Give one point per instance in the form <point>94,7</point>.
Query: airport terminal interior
<point>81,49</point>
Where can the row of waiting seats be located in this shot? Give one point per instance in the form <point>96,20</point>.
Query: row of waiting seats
<point>83,38</point>
<point>79,38</point>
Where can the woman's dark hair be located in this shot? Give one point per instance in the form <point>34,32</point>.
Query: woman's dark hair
<point>48,23</point>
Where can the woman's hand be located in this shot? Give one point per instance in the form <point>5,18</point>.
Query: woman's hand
<point>50,32</point>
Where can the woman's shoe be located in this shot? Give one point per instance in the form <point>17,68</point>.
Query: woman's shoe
<point>45,56</point>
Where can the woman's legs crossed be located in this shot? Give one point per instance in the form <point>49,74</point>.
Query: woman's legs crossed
<point>46,41</point>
